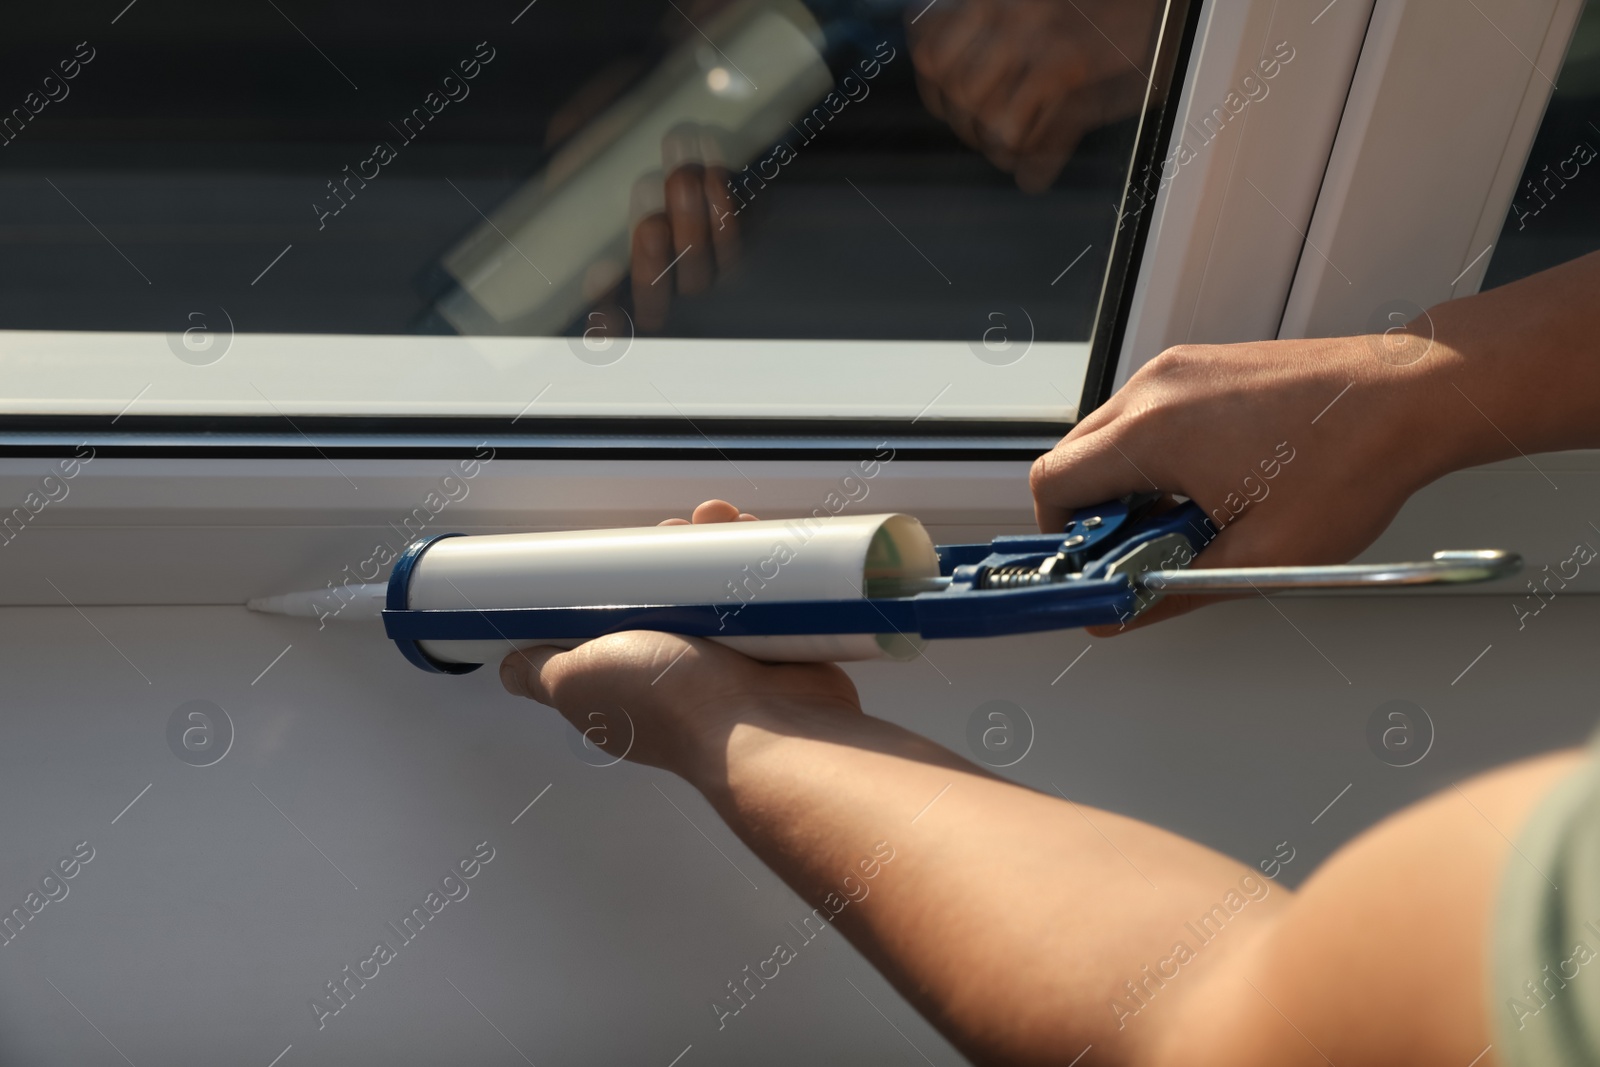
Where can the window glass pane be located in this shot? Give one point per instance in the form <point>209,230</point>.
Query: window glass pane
<point>1556,214</point>
<point>754,175</point>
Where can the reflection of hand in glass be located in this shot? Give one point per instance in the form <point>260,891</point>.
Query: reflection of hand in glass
<point>685,231</point>
<point>1023,80</point>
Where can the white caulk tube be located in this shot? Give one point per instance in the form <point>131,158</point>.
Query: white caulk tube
<point>724,564</point>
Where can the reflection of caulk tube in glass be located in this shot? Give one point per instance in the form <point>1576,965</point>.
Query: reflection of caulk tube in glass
<point>563,239</point>
<point>726,564</point>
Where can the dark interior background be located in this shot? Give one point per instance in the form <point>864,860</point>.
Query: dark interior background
<point>198,138</point>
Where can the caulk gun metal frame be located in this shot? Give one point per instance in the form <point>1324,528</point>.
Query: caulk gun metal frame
<point>1105,568</point>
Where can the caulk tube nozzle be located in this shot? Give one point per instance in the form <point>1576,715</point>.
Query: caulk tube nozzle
<point>348,602</point>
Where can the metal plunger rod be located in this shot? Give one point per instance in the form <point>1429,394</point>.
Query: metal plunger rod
<point>1445,568</point>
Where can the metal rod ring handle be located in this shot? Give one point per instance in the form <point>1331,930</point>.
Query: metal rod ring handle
<point>1446,568</point>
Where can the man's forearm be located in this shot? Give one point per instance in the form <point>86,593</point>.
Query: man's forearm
<point>1516,370</point>
<point>1023,925</point>
<point>1029,928</point>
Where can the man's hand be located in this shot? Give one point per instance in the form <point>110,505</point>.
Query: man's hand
<point>686,230</point>
<point>712,511</point>
<point>1300,451</point>
<point>671,701</point>
<point>1023,80</point>
<point>1368,420</point>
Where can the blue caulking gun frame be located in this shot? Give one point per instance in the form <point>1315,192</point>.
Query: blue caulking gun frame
<point>1103,569</point>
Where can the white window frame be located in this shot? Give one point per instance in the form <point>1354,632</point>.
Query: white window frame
<point>1003,374</point>
<point>1219,265</point>
<point>1444,107</point>
<point>1443,110</point>
<point>272,375</point>
<point>1229,228</point>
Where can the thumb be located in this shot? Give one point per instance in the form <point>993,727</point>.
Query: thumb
<point>523,673</point>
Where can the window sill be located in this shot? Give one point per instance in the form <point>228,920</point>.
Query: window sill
<point>215,531</point>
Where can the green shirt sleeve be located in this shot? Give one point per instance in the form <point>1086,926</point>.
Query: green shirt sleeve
<point>1545,969</point>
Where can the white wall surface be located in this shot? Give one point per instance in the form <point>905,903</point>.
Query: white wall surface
<point>618,906</point>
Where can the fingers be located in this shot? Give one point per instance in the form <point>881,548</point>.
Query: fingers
<point>692,251</point>
<point>1037,172</point>
<point>1062,121</point>
<point>720,511</point>
<point>715,511</point>
<point>722,209</point>
<point>975,60</point>
<point>1003,122</point>
<point>1086,470</point>
<point>938,47</point>
<point>711,511</point>
<point>1055,135</point>
<point>945,40</point>
<point>998,72</point>
<point>1052,111</point>
<point>684,163</point>
<point>724,217</point>
<point>685,230</point>
<point>964,125</point>
<point>522,673</point>
<point>651,254</point>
